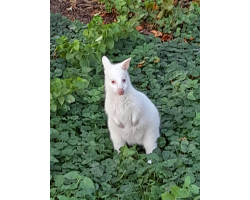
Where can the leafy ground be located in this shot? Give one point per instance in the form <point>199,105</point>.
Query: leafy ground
<point>83,163</point>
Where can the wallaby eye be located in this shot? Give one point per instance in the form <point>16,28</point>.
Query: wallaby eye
<point>124,80</point>
<point>113,82</point>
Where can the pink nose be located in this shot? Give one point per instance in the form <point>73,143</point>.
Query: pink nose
<point>120,91</point>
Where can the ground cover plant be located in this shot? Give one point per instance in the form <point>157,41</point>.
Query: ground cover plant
<point>83,163</point>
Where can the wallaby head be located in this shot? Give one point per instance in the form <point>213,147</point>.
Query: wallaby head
<point>116,76</point>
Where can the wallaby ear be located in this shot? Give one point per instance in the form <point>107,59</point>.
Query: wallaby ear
<point>125,64</point>
<point>106,63</point>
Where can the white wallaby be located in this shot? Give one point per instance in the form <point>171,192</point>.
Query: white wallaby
<point>132,117</point>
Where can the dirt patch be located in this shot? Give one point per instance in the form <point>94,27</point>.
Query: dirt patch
<point>83,10</point>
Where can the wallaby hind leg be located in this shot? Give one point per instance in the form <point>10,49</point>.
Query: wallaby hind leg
<point>150,142</point>
<point>115,136</point>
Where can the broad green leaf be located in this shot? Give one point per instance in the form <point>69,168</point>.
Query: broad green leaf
<point>62,197</point>
<point>171,162</point>
<point>54,133</point>
<point>58,72</point>
<point>58,83</point>
<point>53,159</point>
<point>99,38</point>
<point>53,107</point>
<point>190,96</point>
<point>194,189</point>
<point>102,48</point>
<point>175,191</point>
<point>70,98</point>
<point>72,175</point>
<point>110,43</point>
<point>127,152</point>
<point>61,100</point>
<point>84,62</point>
<point>69,187</point>
<point>167,196</point>
<point>155,192</point>
<point>76,45</point>
<point>59,180</point>
<point>184,146</point>
<point>184,193</point>
<point>191,147</point>
<point>87,186</point>
<point>161,142</point>
<point>80,83</point>
<point>187,181</point>
<point>55,120</point>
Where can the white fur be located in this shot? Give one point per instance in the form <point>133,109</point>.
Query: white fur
<point>132,117</point>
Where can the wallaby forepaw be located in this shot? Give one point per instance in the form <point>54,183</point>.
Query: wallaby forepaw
<point>135,122</point>
<point>120,125</point>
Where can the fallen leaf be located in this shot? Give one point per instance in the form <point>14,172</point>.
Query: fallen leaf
<point>69,8</point>
<point>156,33</point>
<point>103,14</point>
<point>139,28</point>
<point>191,38</point>
<point>155,7</point>
<point>141,64</point>
<point>156,60</point>
<point>167,37</point>
<point>184,138</point>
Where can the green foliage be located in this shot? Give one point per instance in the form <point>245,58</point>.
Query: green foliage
<point>182,23</point>
<point>83,163</point>
<point>181,193</point>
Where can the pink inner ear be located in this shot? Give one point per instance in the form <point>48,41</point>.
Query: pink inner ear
<point>125,64</point>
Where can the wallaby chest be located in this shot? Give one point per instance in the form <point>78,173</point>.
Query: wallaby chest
<point>121,107</point>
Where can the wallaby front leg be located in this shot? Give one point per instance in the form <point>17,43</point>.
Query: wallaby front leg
<point>118,123</point>
<point>134,118</point>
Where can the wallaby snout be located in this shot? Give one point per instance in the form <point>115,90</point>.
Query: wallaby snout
<point>120,91</point>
